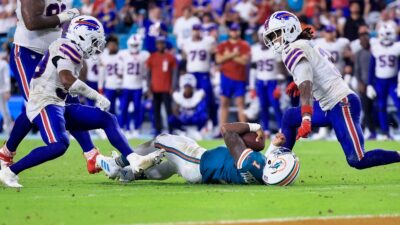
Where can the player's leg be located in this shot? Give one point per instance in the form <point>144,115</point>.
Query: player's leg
<point>137,104</point>
<point>157,99</point>
<point>240,91</point>
<point>80,117</point>
<point>227,90</point>
<point>111,95</point>
<point>184,153</point>
<point>393,95</point>
<point>51,124</point>
<point>382,94</point>
<point>174,122</point>
<point>123,106</point>
<point>291,120</point>
<point>263,99</point>
<point>167,100</point>
<point>345,118</point>
<point>204,82</point>
<point>274,102</point>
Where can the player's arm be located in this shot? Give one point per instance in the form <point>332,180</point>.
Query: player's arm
<point>241,128</point>
<point>222,57</point>
<point>235,144</point>
<point>242,59</point>
<point>32,14</point>
<point>76,86</point>
<point>304,78</point>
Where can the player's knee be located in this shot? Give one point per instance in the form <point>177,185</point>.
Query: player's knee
<point>59,148</point>
<point>355,163</point>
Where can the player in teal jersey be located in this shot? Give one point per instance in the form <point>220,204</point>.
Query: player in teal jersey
<point>233,164</point>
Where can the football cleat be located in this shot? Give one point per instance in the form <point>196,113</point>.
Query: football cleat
<point>126,175</point>
<point>91,161</point>
<point>6,157</point>
<point>108,165</point>
<point>141,163</point>
<point>9,178</point>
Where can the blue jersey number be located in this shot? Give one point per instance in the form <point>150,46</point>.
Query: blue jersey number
<point>54,9</point>
<point>387,60</point>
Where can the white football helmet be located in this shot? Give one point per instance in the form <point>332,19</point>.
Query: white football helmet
<point>281,24</point>
<point>134,43</point>
<point>88,33</point>
<point>282,168</point>
<point>387,34</point>
<point>187,79</point>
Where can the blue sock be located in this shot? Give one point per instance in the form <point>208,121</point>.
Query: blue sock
<point>39,156</point>
<point>375,157</point>
<point>21,128</point>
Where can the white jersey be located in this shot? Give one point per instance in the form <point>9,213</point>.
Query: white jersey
<point>198,54</point>
<point>39,40</point>
<point>111,74</point>
<point>134,72</point>
<point>93,70</point>
<point>265,61</point>
<point>336,49</point>
<point>328,86</point>
<point>386,59</point>
<point>46,87</point>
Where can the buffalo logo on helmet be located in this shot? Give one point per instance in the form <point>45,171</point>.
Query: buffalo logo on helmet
<point>90,24</point>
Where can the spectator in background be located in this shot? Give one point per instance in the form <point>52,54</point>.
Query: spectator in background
<point>361,70</point>
<point>189,105</point>
<point>183,26</point>
<point>208,26</point>
<point>246,9</point>
<point>264,11</point>
<point>179,7</point>
<point>5,87</point>
<point>200,7</point>
<point>98,6</point>
<point>233,55</point>
<point>7,16</point>
<point>153,27</point>
<point>87,7</point>
<point>162,74</point>
<point>108,16</point>
<point>354,22</point>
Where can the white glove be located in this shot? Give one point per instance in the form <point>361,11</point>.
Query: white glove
<point>102,102</point>
<point>371,93</point>
<point>68,15</point>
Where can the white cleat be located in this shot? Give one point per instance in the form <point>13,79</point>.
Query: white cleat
<point>141,163</point>
<point>9,179</point>
<point>108,165</point>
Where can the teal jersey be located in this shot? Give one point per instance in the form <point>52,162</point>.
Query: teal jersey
<point>218,166</point>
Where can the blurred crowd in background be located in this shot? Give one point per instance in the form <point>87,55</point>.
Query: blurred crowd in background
<point>165,28</point>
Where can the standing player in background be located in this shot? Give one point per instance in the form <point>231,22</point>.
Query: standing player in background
<point>198,52</point>
<point>55,77</point>
<point>5,88</point>
<point>383,74</point>
<point>134,75</point>
<point>39,24</point>
<point>183,26</point>
<point>265,72</point>
<point>111,75</point>
<point>92,75</point>
<point>316,77</point>
<point>233,55</point>
<point>339,49</point>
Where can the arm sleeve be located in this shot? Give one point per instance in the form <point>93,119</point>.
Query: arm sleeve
<point>64,64</point>
<point>302,72</point>
<point>371,71</point>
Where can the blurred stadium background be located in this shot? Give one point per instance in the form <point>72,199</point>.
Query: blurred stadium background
<point>174,19</point>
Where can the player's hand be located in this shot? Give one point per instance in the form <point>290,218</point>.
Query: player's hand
<point>68,15</point>
<point>371,93</point>
<point>277,93</point>
<point>304,129</point>
<point>102,102</point>
<point>279,139</point>
<point>260,135</point>
<point>292,90</point>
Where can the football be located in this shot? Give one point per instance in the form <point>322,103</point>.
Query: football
<point>249,139</point>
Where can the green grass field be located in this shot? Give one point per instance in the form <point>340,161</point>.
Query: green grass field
<point>61,192</point>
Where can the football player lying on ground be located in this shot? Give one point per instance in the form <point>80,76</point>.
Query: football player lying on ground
<point>55,78</point>
<point>316,77</point>
<point>234,164</point>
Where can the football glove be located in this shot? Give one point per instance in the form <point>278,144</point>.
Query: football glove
<point>304,129</point>
<point>292,90</point>
<point>371,93</point>
<point>68,15</point>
